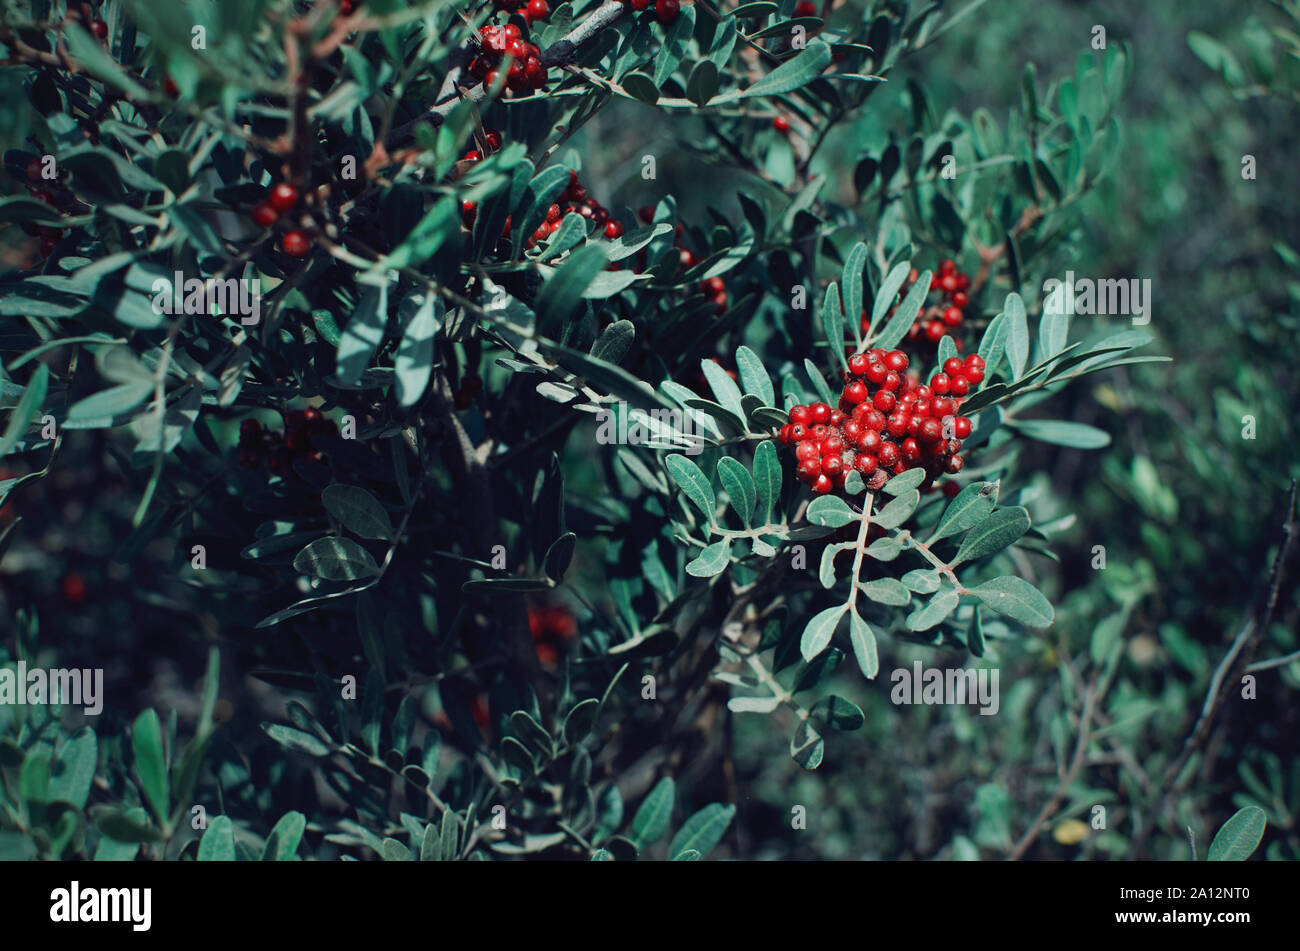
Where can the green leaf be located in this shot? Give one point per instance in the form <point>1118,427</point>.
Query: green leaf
<point>939,607</point>
<point>702,831</point>
<point>641,87</point>
<point>362,335</point>
<point>820,629</point>
<point>218,842</point>
<point>691,479</point>
<point>724,387</point>
<point>73,770</point>
<point>888,292</point>
<point>903,318</point>
<point>754,376</point>
<point>1016,598</point>
<point>358,511</point>
<point>673,47</point>
<point>886,591</point>
<point>530,731</point>
<point>282,843</point>
<point>568,283</point>
<point>580,720</point>
<point>864,646</point>
<point>905,481</point>
<point>767,479</point>
<point>703,84</point>
<point>1239,836</point>
<point>840,714</point>
<point>1017,334</point>
<point>394,851</point>
<point>975,633</point>
<point>413,364</point>
<point>107,407</point>
<point>335,559</point>
<point>613,343</point>
<point>1061,432</point>
<point>851,284</point>
<point>517,755</point>
<point>558,556</point>
<point>833,324</point>
<point>150,765</point>
<point>922,580</point>
<point>831,511</point>
<point>30,404</point>
<point>294,739</point>
<point>711,561</point>
<point>970,506</point>
<point>651,819</point>
<point>740,488</point>
<point>431,844</point>
<point>807,746</point>
<point>899,510</point>
<point>545,188</point>
<point>994,343</point>
<point>793,74</point>
<point>819,383</point>
<point>993,534</point>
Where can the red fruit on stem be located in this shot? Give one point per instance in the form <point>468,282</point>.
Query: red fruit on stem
<point>781,124</point>
<point>264,215</point>
<point>283,197</point>
<point>667,10</point>
<point>295,244</point>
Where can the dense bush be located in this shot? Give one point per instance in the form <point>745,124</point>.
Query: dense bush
<point>608,407</point>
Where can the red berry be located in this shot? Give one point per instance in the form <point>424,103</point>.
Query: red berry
<point>892,381</point>
<point>781,124</point>
<point>939,383</point>
<point>870,441</point>
<point>948,283</point>
<point>805,8</point>
<point>798,432</point>
<point>954,464</point>
<point>896,360</point>
<point>852,430</point>
<point>73,588</point>
<point>888,454</point>
<point>283,197</point>
<point>823,484</point>
<point>935,330</point>
<point>947,266</point>
<point>975,360</point>
<point>953,365</point>
<point>832,466</point>
<point>911,450</point>
<point>961,427</point>
<point>806,450</point>
<point>952,316</point>
<point>640,5</point>
<point>931,430</point>
<point>963,282</point>
<point>295,244</point>
<point>865,464</point>
<point>960,385</point>
<point>537,10</point>
<point>942,406</point>
<point>960,299</point>
<point>884,400</point>
<point>808,469</point>
<point>975,374</point>
<point>667,10</point>
<point>821,413</point>
<point>613,230</point>
<point>855,392</point>
<point>783,434</point>
<point>858,364</point>
<point>99,28</point>
<point>800,414</point>
<point>263,215</point>
<point>877,372</point>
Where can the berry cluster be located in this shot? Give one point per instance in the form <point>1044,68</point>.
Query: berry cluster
<point>887,422</point>
<point>552,629</point>
<point>714,288</point>
<point>531,11</point>
<point>281,200</point>
<point>666,11</point>
<point>495,44</point>
<point>279,449</point>
<point>944,317</point>
<point>573,200</point>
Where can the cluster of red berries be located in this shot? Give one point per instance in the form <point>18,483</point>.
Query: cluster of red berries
<point>886,423</point>
<point>279,449</point>
<point>936,320</point>
<point>283,198</point>
<point>531,11</point>
<point>552,629</point>
<point>573,200</point>
<point>666,11</point>
<point>714,288</point>
<point>805,8</point>
<point>495,43</point>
